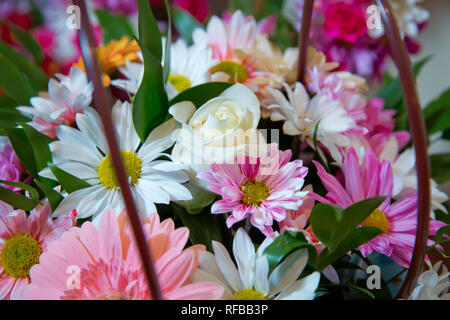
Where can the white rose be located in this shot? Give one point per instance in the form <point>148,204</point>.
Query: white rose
<point>219,130</point>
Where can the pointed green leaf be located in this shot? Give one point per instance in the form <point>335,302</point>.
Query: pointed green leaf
<point>16,200</point>
<point>202,93</point>
<point>40,145</point>
<point>28,42</point>
<point>53,196</point>
<point>149,34</point>
<point>167,50</point>
<point>115,26</point>
<point>69,182</point>
<point>23,149</point>
<point>33,192</point>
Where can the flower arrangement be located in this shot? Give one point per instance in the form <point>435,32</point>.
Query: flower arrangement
<point>174,154</point>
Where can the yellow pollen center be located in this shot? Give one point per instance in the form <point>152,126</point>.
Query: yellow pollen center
<point>19,254</point>
<point>377,219</point>
<point>236,71</point>
<point>180,82</point>
<point>107,174</point>
<point>249,294</point>
<point>254,193</point>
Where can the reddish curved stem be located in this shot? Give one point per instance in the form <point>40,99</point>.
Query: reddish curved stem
<point>303,40</point>
<point>419,138</point>
<point>102,105</point>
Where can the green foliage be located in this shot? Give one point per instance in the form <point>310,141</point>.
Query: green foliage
<point>437,113</point>
<point>167,49</point>
<point>69,182</point>
<point>203,227</point>
<point>285,244</point>
<point>16,200</point>
<point>202,93</point>
<point>439,167</point>
<point>149,34</point>
<point>338,229</point>
<point>28,42</point>
<point>114,26</point>
<point>53,196</point>
<point>185,23</point>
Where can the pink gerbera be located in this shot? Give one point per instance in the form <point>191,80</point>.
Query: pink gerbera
<point>23,240</point>
<point>90,263</point>
<point>369,179</point>
<point>248,188</point>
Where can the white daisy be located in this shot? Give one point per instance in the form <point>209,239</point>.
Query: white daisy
<point>189,66</point>
<point>251,279</point>
<point>431,285</point>
<point>65,98</point>
<point>84,153</point>
<point>301,115</point>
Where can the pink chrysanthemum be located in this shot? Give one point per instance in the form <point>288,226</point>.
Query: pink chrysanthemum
<point>23,240</point>
<point>90,263</point>
<point>369,179</point>
<point>10,167</point>
<point>249,188</point>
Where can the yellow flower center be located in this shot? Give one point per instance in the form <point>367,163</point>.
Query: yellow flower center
<point>107,174</point>
<point>377,219</point>
<point>254,193</point>
<point>19,254</point>
<point>249,294</point>
<point>236,71</point>
<point>180,82</point>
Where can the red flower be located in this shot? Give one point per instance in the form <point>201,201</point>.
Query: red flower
<point>197,8</point>
<point>344,21</point>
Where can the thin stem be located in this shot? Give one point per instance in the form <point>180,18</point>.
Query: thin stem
<point>102,105</point>
<point>419,138</point>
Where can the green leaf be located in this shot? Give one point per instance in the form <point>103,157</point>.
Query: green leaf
<point>16,200</point>
<point>151,104</point>
<point>437,113</point>
<point>115,26</point>
<point>37,77</point>
<point>33,192</point>
<point>331,225</point>
<point>364,291</point>
<point>392,93</point>
<point>201,198</point>
<point>69,182</point>
<point>53,196</point>
<point>203,227</point>
<point>439,167</point>
<point>185,23</point>
<point>202,93</point>
<point>40,145</point>
<point>28,42</point>
<point>22,147</point>
<point>354,239</point>
<point>282,246</point>
<point>14,83</point>
<point>445,230</point>
<point>10,117</point>
<point>244,5</point>
<point>168,44</point>
<point>149,34</point>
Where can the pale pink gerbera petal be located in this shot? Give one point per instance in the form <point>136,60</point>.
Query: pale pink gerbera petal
<point>23,240</point>
<point>90,263</point>
<point>251,190</point>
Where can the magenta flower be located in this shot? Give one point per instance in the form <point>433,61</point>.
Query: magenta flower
<point>344,21</point>
<point>10,167</point>
<point>250,188</point>
<point>369,179</point>
<point>197,8</point>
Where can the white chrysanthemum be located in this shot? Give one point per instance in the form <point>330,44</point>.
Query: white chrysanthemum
<point>302,114</point>
<point>251,279</point>
<point>84,153</point>
<point>189,66</point>
<point>431,285</point>
<point>66,98</point>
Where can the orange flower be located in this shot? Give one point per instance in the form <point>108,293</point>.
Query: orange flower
<point>112,56</point>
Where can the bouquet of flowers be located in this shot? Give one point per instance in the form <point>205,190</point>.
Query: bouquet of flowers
<point>151,150</point>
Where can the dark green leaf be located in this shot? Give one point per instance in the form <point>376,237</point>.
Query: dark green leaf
<point>151,104</point>
<point>185,23</point>
<point>32,71</point>
<point>439,167</point>
<point>33,192</point>
<point>16,200</point>
<point>353,240</point>
<point>69,182</point>
<point>9,118</point>
<point>115,26</point>
<point>22,148</point>
<point>14,83</point>
<point>28,42</point>
<point>203,227</point>
<point>149,34</point>
<point>282,246</point>
<point>53,196</point>
<point>202,93</point>
<point>40,145</point>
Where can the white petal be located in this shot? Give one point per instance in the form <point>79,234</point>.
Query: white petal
<point>182,111</point>
<point>244,253</point>
<point>303,289</point>
<point>227,266</point>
